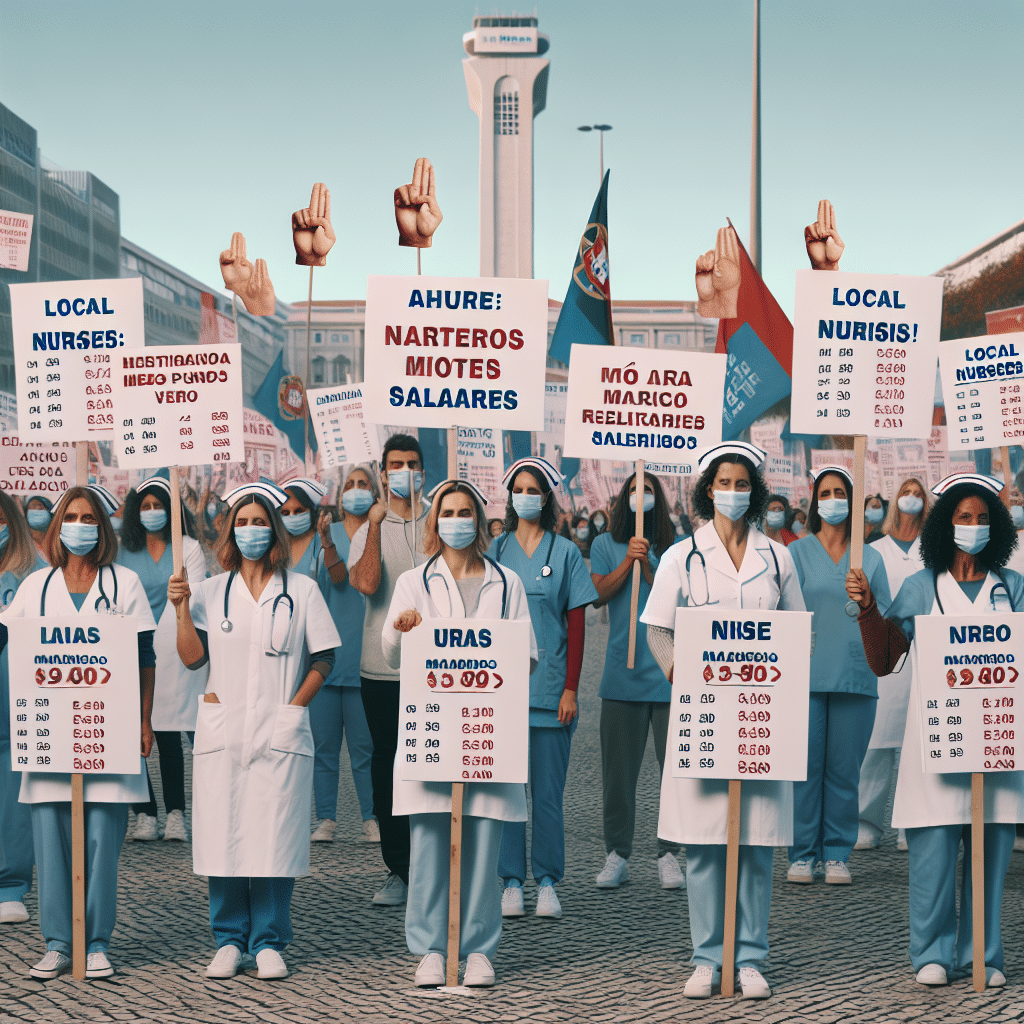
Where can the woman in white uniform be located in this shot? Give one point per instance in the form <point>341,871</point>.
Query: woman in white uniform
<point>731,564</point>
<point>81,546</point>
<point>966,541</point>
<point>900,548</point>
<point>457,582</point>
<point>252,765</point>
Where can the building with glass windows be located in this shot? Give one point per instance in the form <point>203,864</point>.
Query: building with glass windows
<point>335,341</point>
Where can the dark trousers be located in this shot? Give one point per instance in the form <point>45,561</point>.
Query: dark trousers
<point>380,702</point>
<point>172,775</point>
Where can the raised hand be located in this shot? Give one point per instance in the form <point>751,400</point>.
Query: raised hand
<point>857,587</point>
<point>312,234</point>
<point>718,277</point>
<point>408,620</point>
<point>259,294</point>
<point>323,527</point>
<point>824,246</point>
<point>416,211</point>
<point>234,267</point>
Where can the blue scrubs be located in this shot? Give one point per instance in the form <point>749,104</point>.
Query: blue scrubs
<point>550,598</point>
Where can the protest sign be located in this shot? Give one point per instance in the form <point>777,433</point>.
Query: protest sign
<point>341,432</point>
<point>480,462</point>
<point>15,240</point>
<point>440,351</point>
<point>75,694</point>
<point>47,469</point>
<point>778,475</point>
<point>67,338</point>
<point>740,692</point>
<point>464,705</point>
<point>862,345</point>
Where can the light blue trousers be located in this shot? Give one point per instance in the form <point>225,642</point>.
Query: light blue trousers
<point>334,712</point>
<point>549,764</point>
<point>826,806</point>
<point>105,826</point>
<point>426,909</point>
<point>705,893</point>
<point>251,913</point>
<point>16,858</point>
<point>935,937</point>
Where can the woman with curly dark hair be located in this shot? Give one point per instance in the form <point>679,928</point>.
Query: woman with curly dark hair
<point>966,541</point>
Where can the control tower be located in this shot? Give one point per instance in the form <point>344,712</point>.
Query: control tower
<point>507,82</point>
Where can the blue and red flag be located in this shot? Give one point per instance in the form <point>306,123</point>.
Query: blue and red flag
<point>282,399</point>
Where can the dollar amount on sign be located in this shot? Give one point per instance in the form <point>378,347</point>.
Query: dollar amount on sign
<point>745,674</point>
<point>455,682</point>
<point>92,675</point>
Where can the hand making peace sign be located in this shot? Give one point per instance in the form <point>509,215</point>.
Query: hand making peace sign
<point>312,233</point>
<point>718,276</point>
<point>416,211</point>
<point>824,246</point>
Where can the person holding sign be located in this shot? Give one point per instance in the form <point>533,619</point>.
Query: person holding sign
<point>633,701</point>
<point>252,774</point>
<point>966,541</point>
<point>900,548</point>
<point>727,563</point>
<point>844,692</point>
<point>558,587</point>
<point>308,525</point>
<point>458,582</point>
<point>81,547</point>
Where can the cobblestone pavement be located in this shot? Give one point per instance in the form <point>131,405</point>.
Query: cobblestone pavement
<point>838,953</point>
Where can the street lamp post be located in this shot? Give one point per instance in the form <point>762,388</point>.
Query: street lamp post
<point>601,128</point>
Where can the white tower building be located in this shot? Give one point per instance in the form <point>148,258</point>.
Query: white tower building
<point>507,82</point>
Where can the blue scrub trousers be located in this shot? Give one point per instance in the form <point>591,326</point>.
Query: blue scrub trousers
<point>426,909</point>
<point>935,937</point>
<point>16,857</point>
<point>251,913</point>
<point>705,894</point>
<point>826,808</point>
<point>105,826</point>
<point>549,765</point>
<point>334,712</point>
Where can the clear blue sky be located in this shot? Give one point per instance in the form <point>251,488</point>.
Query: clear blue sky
<point>211,117</point>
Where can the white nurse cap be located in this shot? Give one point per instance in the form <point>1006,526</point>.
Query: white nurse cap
<point>155,483</point>
<point>982,480</point>
<point>471,487</point>
<point>553,477</point>
<point>749,451</point>
<point>268,491</point>
<point>817,474</point>
<point>107,500</point>
<point>313,489</point>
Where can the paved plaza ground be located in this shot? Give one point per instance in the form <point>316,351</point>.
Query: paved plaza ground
<point>838,953</point>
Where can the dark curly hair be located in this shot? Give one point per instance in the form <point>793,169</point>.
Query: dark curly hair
<point>133,533</point>
<point>938,548</point>
<point>658,528</point>
<point>549,513</point>
<point>704,504</point>
<point>814,520</point>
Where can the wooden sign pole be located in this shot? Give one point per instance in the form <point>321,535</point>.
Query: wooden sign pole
<point>1004,454</point>
<point>175,514</point>
<point>860,443</point>
<point>634,600</point>
<point>732,865</point>
<point>305,383</point>
<point>978,878</point>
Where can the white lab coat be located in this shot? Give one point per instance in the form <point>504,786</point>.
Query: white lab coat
<point>894,689</point>
<point>923,799</point>
<point>252,767</point>
<point>503,801</point>
<point>41,787</point>
<point>695,810</point>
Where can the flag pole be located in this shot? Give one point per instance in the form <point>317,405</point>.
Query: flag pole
<point>755,147</point>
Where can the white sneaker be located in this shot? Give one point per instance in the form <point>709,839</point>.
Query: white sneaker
<point>670,875</point>
<point>994,978</point>
<point>53,964</point>
<point>512,901</point>
<point>801,871</point>
<point>97,965</point>
<point>837,873</point>
<point>393,893</point>
<point>753,984</point>
<point>225,964</point>
<point>701,983</point>
<point>371,831</point>
<point>175,826</point>
<point>479,972</point>
<point>931,974</point>
<point>324,832</point>
<point>145,829</point>
<point>430,973</point>
<point>614,872</point>
<point>13,912</point>
<point>866,839</point>
<point>547,902</point>
<point>270,964</point>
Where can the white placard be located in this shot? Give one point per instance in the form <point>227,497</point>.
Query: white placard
<point>968,667</point>
<point>464,713</point>
<point>740,692</point>
<point>982,382</point>
<point>178,405</point>
<point>25,469</point>
<point>68,336</point>
<point>627,404</point>
<point>446,350</point>
<point>15,240</point>
<point>864,353</point>
<point>75,694</point>
<point>341,432</point>
<point>480,461</point>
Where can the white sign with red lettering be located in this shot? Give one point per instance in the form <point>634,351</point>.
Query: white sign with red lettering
<point>15,240</point>
<point>46,469</point>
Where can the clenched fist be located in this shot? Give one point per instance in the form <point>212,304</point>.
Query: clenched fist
<point>718,277</point>
<point>312,234</point>
<point>416,211</point>
<point>824,246</point>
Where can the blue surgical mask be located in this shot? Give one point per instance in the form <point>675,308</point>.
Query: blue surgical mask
<point>528,506</point>
<point>38,518</point>
<point>115,522</point>
<point>797,527</point>
<point>253,541</point>
<point>834,510</point>
<point>775,520</point>
<point>398,482</point>
<point>970,539</point>
<point>648,503</point>
<point>1017,511</point>
<point>457,531</point>
<point>153,519</point>
<point>732,504</point>
<point>357,500</point>
<point>79,538</point>
<point>910,503</point>
<point>874,515</point>
<point>297,523</point>
<point>582,532</point>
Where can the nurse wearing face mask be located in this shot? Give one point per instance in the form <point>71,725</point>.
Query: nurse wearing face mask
<point>798,522</point>
<point>39,512</point>
<point>307,524</point>
<point>844,690</point>
<point>775,520</point>
<point>874,513</point>
<point>581,534</point>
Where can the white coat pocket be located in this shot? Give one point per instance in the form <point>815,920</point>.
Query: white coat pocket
<point>292,734</point>
<point>211,727</point>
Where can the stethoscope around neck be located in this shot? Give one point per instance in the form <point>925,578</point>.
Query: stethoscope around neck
<point>996,587</point>
<point>227,626</point>
<point>546,570</point>
<point>437,575</point>
<point>694,550</point>
<point>110,609</point>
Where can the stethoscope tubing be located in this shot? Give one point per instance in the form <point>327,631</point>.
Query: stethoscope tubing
<point>110,609</point>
